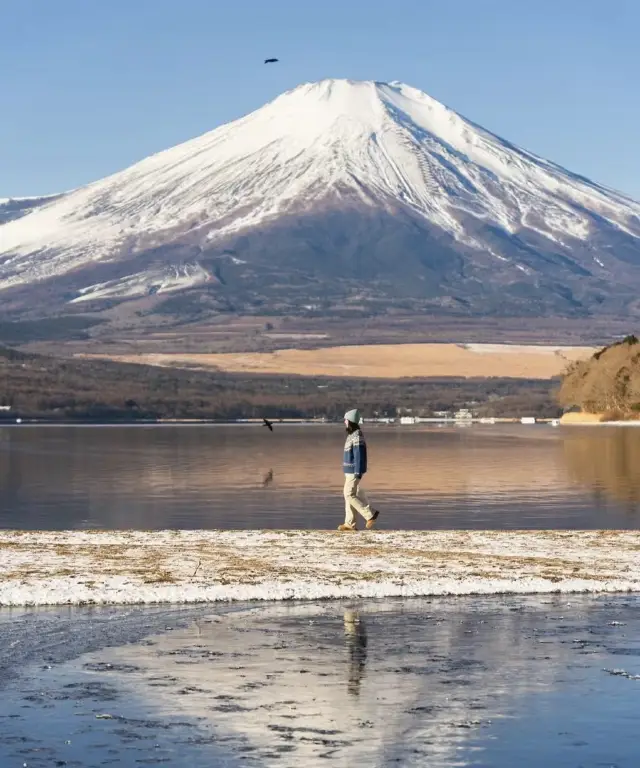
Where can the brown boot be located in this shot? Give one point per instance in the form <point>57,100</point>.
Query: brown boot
<point>345,527</point>
<point>374,517</point>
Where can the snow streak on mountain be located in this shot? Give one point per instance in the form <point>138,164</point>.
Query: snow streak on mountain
<point>329,154</point>
<point>15,207</point>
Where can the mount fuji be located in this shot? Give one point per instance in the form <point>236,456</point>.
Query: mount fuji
<point>15,207</point>
<point>337,197</point>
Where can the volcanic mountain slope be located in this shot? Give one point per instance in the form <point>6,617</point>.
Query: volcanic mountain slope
<point>337,196</point>
<point>12,208</point>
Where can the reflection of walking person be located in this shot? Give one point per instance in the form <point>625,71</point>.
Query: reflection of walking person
<point>356,634</point>
<point>355,465</point>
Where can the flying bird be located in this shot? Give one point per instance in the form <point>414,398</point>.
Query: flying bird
<point>267,423</point>
<point>270,61</point>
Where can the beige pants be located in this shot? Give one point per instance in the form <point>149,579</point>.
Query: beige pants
<point>355,500</point>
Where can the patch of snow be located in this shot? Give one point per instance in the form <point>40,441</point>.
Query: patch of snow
<point>622,673</point>
<point>380,143</point>
<point>533,349</point>
<point>5,200</point>
<point>160,280</point>
<point>127,567</point>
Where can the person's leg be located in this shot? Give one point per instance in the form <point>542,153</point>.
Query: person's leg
<point>369,513</point>
<point>349,516</point>
<point>357,499</point>
<point>362,497</point>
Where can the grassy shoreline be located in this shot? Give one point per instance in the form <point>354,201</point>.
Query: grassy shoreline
<point>178,566</point>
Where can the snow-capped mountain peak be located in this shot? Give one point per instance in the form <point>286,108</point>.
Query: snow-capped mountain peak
<point>334,143</point>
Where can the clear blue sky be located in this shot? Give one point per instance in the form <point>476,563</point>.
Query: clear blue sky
<point>88,87</point>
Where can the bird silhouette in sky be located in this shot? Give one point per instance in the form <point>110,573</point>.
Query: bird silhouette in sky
<point>267,423</point>
<point>270,61</point>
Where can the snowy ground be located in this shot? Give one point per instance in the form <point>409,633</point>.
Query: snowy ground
<point>126,567</point>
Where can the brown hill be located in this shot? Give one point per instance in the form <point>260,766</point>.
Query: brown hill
<point>607,383</point>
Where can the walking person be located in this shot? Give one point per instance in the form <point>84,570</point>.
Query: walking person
<point>355,466</point>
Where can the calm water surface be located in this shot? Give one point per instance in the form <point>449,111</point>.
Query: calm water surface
<point>479,682</point>
<point>247,477</point>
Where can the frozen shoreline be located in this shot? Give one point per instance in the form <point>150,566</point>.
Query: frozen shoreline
<point>150,567</point>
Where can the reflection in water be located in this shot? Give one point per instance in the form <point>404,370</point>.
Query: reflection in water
<point>608,461</point>
<point>215,477</point>
<point>450,682</point>
<point>267,479</point>
<point>356,633</point>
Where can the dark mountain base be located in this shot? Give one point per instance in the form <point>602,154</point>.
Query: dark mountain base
<point>354,265</point>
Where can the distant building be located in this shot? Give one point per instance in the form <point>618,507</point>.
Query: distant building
<point>407,420</point>
<point>463,414</point>
<point>5,407</point>
<point>528,420</point>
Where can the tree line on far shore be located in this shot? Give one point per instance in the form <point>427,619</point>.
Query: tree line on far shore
<point>90,389</point>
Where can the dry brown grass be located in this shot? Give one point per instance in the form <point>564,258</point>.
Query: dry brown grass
<point>164,562</point>
<point>606,383</point>
<point>581,418</point>
<point>163,577</point>
<point>387,361</point>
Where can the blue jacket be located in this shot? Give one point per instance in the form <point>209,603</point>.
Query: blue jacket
<point>354,461</point>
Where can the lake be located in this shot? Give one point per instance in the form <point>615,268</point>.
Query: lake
<point>484,681</point>
<point>206,476</point>
<point>481,682</point>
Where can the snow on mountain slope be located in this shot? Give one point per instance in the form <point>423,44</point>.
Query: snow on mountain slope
<point>380,145</point>
<point>15,207</point>
<point>152,280</point>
